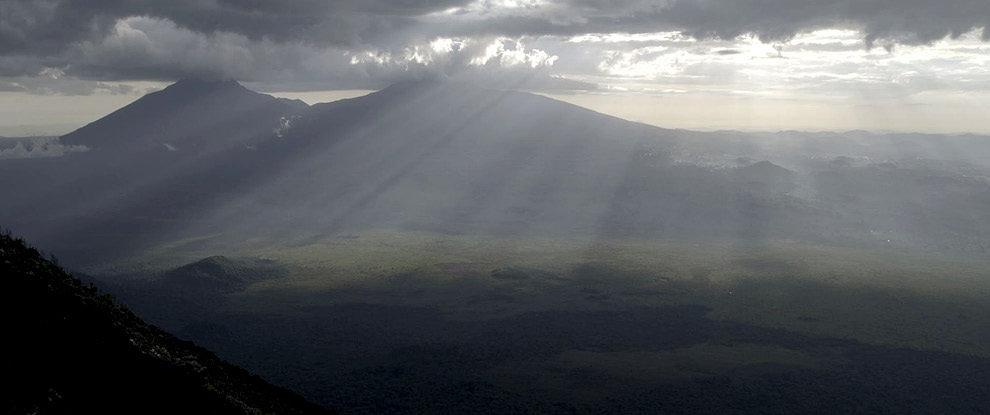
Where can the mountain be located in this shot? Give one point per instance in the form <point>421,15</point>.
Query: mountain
<point>161,136</point>
<point>148,160</point>
<point>68,349</point>
<point>189,115</point>
<point>455,158</point>
<point>450,158</point>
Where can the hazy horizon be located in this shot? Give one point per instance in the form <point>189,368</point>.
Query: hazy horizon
<point>55,115</point>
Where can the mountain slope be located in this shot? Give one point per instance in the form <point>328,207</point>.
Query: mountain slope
<point>68,349</point>
<point>189,113</point>
<point>162,158</point>
<point>448,157</point>
<point>454,158</point>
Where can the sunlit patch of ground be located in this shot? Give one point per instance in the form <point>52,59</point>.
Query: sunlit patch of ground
<point>879,297</point>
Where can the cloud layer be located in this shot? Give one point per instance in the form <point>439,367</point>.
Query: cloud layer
<point>303,44</point>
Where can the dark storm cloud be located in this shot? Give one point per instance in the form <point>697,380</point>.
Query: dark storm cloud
<point>154,39</point>
<point>45,26</point>
<point>48,25</point>
<point>308,40</point>
<point>896,21</point>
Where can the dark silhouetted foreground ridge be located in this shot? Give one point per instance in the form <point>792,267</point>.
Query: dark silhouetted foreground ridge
<point>69,349</point>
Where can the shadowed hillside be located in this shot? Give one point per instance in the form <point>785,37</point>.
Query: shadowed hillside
<point>68,349</point>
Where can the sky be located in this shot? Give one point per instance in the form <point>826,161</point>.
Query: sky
<point>883,65</point>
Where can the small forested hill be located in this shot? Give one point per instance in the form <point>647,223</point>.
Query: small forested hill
<point>221,274</point>
<point>68,349</point>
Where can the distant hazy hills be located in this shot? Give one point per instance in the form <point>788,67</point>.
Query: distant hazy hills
<point>67,349</point>
<point>213,161</point>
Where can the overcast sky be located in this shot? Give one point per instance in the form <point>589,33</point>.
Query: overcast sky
<point>907,65</point>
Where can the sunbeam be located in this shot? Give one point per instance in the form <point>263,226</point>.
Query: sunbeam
<point>495,206</point>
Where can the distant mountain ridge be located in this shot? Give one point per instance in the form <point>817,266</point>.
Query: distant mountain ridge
<point>213,159</point>
<point>68,349</point>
